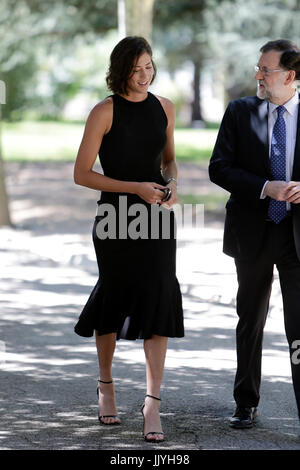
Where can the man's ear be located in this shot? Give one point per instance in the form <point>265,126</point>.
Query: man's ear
<point>290,77</point>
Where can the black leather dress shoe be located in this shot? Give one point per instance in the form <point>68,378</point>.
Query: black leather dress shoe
<point>243,417</point>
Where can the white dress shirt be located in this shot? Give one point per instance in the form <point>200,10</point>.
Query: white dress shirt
<point>290,116</point>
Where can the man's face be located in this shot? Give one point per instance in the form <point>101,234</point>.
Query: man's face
<point>270,85</point>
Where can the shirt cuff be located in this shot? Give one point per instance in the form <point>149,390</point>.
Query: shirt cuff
<point>262,195</point>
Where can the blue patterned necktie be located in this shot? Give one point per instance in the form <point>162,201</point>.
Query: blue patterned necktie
<point>277,209</point>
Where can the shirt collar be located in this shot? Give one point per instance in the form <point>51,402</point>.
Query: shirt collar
<point>291,106</point>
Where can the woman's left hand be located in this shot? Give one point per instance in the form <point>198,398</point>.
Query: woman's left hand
<point>173,199</point>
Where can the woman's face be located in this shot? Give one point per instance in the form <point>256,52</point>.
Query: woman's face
<point>141,75</point>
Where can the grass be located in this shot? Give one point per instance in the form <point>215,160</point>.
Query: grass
<point>194,144</point>
<point>59,141</point>
<point>41,141</point>
<point>211,201</point>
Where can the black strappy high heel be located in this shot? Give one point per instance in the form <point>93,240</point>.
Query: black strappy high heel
<point>145,436</point>
<point>106,416</point>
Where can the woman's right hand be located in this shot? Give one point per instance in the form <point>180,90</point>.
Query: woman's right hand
<point>150,192</point>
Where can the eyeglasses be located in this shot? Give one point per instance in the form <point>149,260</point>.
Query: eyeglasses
<point>266,71</point>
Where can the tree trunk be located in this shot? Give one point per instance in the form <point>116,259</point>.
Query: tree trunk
<point>135,18</point>
<point>197,119</point>
<point>4,210</point>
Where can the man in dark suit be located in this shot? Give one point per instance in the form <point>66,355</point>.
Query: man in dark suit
<point>257,159</point>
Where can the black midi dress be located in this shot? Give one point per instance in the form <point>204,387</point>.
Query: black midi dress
<point>137,294</point>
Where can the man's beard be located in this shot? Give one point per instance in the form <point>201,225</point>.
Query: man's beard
<point>263,93</point>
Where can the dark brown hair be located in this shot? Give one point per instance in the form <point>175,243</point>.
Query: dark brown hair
<point>122,60</point>
<point>290,57</point>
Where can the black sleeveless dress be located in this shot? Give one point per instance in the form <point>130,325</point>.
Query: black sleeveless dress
<point>137,294</point>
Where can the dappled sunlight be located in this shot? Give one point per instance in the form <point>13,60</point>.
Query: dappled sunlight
<point>47,276</point>
<point>214,359</point>
<point>14,359</point>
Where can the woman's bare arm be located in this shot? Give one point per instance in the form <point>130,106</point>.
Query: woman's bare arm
<point>169,166</point>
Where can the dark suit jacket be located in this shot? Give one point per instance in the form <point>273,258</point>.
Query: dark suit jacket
<point>240,164</point>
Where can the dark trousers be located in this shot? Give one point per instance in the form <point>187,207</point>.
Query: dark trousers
<point>255,281</point>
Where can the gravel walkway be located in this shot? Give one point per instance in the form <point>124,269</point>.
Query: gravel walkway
<point>49,374</point>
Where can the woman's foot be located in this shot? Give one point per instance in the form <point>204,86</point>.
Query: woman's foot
<point>106,402</point>
<point>152,430</point>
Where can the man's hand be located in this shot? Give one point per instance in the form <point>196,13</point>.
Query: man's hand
<point>293,192</point>
<point>282,191</point>
<point>276,190</point>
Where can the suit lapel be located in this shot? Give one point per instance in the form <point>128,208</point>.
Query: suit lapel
<point>296,166</point>
<point>262,131</point>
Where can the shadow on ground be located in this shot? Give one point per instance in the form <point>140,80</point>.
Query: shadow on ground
<point>49,374</point>
<point>48,389</point>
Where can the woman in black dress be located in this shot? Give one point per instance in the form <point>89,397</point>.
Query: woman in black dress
<point>137,295</point>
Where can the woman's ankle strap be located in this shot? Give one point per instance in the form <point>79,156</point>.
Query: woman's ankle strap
<point>155,398</point>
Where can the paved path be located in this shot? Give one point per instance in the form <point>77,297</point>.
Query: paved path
<point>49,374</point>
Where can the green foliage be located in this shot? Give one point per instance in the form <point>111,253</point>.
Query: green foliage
<point>35,32</point>
<point>223,36</point>
<point>243,28</point>
<point>40,38</point>
<point>19,88</point>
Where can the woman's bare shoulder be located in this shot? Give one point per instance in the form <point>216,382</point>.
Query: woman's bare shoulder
<point>103,107</point>
<point>101,114</point>
<point>168,108</point>
<point>165,102</point>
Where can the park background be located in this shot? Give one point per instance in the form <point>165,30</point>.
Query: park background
<point>53,61</point>
<point>54,57</point>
